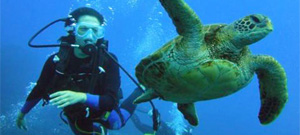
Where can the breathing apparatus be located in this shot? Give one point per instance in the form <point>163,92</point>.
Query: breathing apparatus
<point>95,32</point>
<point>72,28</point>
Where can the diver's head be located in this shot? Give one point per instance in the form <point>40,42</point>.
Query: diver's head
<point>88,29</point>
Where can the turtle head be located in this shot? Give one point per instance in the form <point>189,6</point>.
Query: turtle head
<point>250,29</point>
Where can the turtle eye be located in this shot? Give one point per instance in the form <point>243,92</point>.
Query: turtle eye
<point>255,19</point>
<point>252,26</point>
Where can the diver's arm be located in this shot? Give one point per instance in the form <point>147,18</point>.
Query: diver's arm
<point>66,98</point>
<point>37,92</point>
<point>92,101</point>
<point>109,99</point>
<point>29,105</point>
<point>39,89</point>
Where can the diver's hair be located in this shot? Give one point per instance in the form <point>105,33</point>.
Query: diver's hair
<point>76,14</point>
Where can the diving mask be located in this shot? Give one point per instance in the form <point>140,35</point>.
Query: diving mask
<point>84,29</point>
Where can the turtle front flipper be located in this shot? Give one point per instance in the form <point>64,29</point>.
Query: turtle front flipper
<point>189,113</point>
<point>272,85</point>
<point>184,18</point>
<point>147,96</point>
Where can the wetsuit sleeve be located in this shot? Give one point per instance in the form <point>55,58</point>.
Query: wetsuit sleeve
<point>39,90</point>
<point>29,105</point>
<point>109,99</point>
<point>119,117</point>
<point>92,101</point>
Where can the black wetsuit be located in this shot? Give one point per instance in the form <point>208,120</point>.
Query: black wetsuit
<point>107,87</point>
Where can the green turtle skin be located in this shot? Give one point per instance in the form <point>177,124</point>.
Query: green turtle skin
<point>212,61</point>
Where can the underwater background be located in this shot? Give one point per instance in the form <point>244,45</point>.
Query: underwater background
<point>136,28</point>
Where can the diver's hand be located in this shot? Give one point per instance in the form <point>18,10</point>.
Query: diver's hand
<point>65,98</point>
<point>21,123</point>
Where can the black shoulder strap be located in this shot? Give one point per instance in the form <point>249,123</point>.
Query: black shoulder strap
<point>98,61</point>
<point>61,60</point>
<point>64,53</point>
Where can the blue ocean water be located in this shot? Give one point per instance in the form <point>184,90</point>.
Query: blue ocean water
<point>136,28</point>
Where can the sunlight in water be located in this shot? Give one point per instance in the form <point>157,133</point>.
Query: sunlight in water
<point>153,37</point>
<point>132,3</point>
<point>177,123</point>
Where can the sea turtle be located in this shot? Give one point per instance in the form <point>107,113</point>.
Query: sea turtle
<point>212,61</point>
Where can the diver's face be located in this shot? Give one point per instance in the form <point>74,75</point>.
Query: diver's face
<point>85,33</point>
<point>82,37</point>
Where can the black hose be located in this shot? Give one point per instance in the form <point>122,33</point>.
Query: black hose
<point>41,30</point>
<point>155,115</point>
<point>62,118</point>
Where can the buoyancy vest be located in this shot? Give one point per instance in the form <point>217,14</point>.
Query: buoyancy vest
<point>79,75</point>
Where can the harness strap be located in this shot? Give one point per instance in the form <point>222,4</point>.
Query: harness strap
<point>98,60</point>
<point>62,118</point>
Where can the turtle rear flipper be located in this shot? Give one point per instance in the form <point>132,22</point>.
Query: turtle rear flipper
<point>272,85</point>
<point>189,113</point>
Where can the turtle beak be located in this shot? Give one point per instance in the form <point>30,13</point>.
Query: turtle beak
<point>268,24</point>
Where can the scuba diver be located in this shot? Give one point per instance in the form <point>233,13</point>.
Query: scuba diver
<point>83,80</point>
<point>164,128</point>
